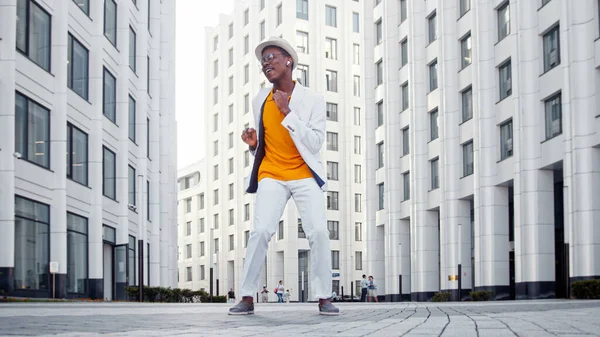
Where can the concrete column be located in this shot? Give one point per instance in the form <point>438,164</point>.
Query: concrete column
<point>8,11</point>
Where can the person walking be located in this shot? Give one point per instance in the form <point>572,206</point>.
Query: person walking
<point>264,294</point>
<point>291,123</point>
<point>280,292</point>
<point>231,296</point>
<point>364,284</point>
<point>372,290</point>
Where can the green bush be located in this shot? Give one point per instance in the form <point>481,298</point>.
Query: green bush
<point>481,295</point>
<point>169,295</point>
<point>441,297</point>
<point>586,289</point>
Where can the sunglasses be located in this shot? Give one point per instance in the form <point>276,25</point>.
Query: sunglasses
<point>268,58</point>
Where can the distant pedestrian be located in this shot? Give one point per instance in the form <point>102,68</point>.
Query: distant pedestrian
<point>372,290</point>
<point>280,292</point>
<point>264,295</point>
<point>286,296</point>
<point>231,296</point>
<point>364,284</point>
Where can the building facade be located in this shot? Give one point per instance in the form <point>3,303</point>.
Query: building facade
<point>87,147</point>
<point>484,146</point>
<point>327,35</point>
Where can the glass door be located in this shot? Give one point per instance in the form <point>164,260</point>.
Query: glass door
<point>121,268</point>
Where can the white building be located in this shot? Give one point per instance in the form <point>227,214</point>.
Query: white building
<point>491,138</point>
<point>327,35</point>
<point>87,146</point>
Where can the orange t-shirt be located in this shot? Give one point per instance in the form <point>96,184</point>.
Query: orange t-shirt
<point>282,160</point>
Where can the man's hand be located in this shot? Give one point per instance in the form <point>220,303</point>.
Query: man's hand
<point>249,137</point>
<point>281,100</point>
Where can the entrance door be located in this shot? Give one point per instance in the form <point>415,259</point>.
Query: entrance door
<point>121,259</point>
<point>109,270</point>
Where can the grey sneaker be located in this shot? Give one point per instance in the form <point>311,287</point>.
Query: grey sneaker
<point>242,308</point>
<point>328,309</point>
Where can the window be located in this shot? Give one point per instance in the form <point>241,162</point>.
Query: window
<point>262,30</point>
<point>551,49</point>
<point>230,110</point>
<point>302,9</point>
<point>332,141</point>
<point>302,41</point>
<point>330,16</point>
<point>358,231</point>
<point>216,147</point>
<point>464,6</point>
<point>131,179</point>
<point>148,138</point>
<point>332,200</point>
<point>505,80</point>
<point>433,79</point>
<point>231,242</point>
<point>468,158</point>
<point>404,52</point>
<point>246,103</point>
<point>432,27</point>
<point>32,242</point>
<point>215,68</point>
<point>433,124</point>
<point>202,273</point>
<point>84,5</point>
<point>32,131</point>
<point>216,197</point>
<point>231,191</point>
<point>378,32</point>
<point>109,96</point>
<point>230,164</point>
<point>335,259</point>
<point>230,140</point>
<point>332,170</point>
<point>380,113</point>
<point>215,43</point>
<point>333,228</point>
<point>230,30</point>
<point>435,181</point>
<point>216,242</point>
<point>303,69</point>
<point>280,230</point>
<point>357,202</point>
<point>545,2</point>
<point>331,80</point>
<point>356,54</point>
<point>110,21</point>
<point>109,173</point>
<point>405,98</point>
<point>301,233</point>
<point>356,85</point>
<point>216,172</point>
<point>246,16</point>
<point>131,119</point>
<point>131,257</point>
<point>246,238</point>
<point>357,145</point>
<point>78,68</point>
<point>332,113</point>
<point>279,14</point>
<point>465,51</point>
<point>246,45</point>
<point>216,222</point>
<point>403,11</point>
<point>405,141</point>
<point>380,152</point>
<point>381,200</point>
<point>230,54</point>
<point>33,33</point>
<point>202,250</point>
<point>132,49</point>
<point>331,48</point>
<point>503,21</point>
<point>216,95</point>
<point>357,174</point>
<point>188,274</point>
<point>356,116</point>
<point>406,183</point>
<point>188,227</point>
<point>379,72</point>
<point>149,11</point>
<point>335,286</point>
<point>148,75</point>
<point>355,22</point>
<point>506,140</point>
<point>246,158</point>
<point>188,205</point>
<point>77,253</point>
<point>553,110</point>
<point>201,228</point>
<point>148,203</point>
<point>358,260</point>
<point>247,212</point>
<point>467,104</point>
<point>201,201</point>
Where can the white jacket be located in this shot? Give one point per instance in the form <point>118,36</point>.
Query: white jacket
<point>306,124</point>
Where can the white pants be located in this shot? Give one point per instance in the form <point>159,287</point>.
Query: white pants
<point>271,197</point>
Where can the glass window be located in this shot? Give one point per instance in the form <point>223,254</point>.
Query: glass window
<point>551,49</point>
<point>78,68</point>
<point>201,225</point>
<point>109,187</point>
<point>358,231</point>
<point>405,98</point>
<point>378,32</point>
<point>465,51</point>
<point>356,116</point>
<point>303,70</point>
<point>406,183</point>
<point>380,113</point>
<point>301,233</point>
<point>32,131</point>
<point>109,96</point>
<point>77,154</point>
<point>405,141</point>
<point>262,30</point>
<point>358,260</point>
<point>231,217</point>
<point>302,9</point>
<point>246,158</point>
<point>230,110</point>
<point>503,21</point>
<point>356,54</point>
<point>357,145</point>
<point>332,141</point>
<point>435,181</point>
<point>332,170</point>
<point>131,178</point>
<point>247,212</point>
<point>355,22</point>
<point>246,103</point>
<point>404,52</point>
<point>230,138</point>
<point>132,118</point>
<point>202,248</point>
<point>202,273</point>
<point>545,2</point>
<point>553,110</point>
<point>32,245</point>
<point>216,172</point>
<point>216,241</point>
<point>464,6</point>
<point>433,124</point>
<point>380,153</point>
<point>110,21</point>
<point>84,5</point>
<point>230,53</point>
<point>330,16</point>
<point>188,273</point>
<point>148,76</point>
<point>335,259</point>
<point>188,205</point>
<point>505,80</point>
<point>331,48</point>
<point>132,258</point>
<point>403,11</point>
<point>379,72</point>
<point>333,228</point>
<point>381,200</point>
<point>216,147</point>
<point>356,85</point>
<point>331,80</point>
<point>246,45</point>
<point>148,138</point>
<point>506,140</point>
<point>357,202</point>
<point>332,200</point>
<point>109,234</point>
<point>332,113</point>
<point>433,78</point>
<point>279,14</point>
<point>132,49</point>
<point>468,158</point>
<point>467,104</point>
<point>246,17</point>
<point>188,227</point>
<point>357,174</point>
<point>231,191</point>
<point>231,242</point>
<point>148,210</point>
<point>216,197</point>
<point>302,41</point>
<point>33,32</point>
<point>230,30</point>
<point>280,230</point>
<point>432,27</point>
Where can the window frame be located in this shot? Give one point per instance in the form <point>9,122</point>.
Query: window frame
<point>106,72</point>
<point>70,130</point>
<point>104,177</point>
<point>114,43</point>
<point>548,123</point>
<point>25,153</point>
<point>28,33</point>
<point>71,67</point>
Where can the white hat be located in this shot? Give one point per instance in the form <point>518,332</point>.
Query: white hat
<point>278,42</point>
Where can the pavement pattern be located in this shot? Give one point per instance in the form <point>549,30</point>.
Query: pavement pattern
<point>467,319</point>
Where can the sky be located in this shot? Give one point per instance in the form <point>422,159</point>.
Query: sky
<point>192,17</point>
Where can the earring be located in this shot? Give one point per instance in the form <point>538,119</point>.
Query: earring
<point>288,63</point>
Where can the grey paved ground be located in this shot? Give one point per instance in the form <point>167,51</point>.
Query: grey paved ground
<point>523,318</point>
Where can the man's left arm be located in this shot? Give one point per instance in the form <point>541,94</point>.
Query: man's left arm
<point>312,132</point>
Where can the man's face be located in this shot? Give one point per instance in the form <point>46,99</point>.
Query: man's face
<point>274,63</point>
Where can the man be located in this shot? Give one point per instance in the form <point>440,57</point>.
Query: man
<point>291,129</point>
<point>231,296</point>
<point>364,285</point>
